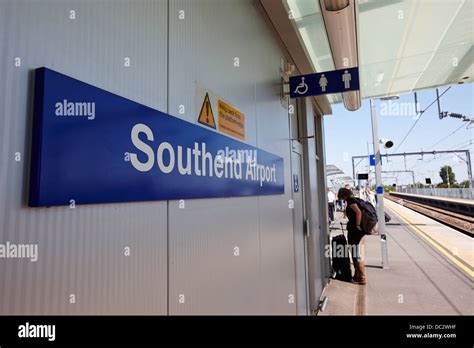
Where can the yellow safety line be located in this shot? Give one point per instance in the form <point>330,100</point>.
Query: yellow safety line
<point>440,248</point>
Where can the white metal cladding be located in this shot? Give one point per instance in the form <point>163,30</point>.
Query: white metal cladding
<point>81,250</point>
<point>276,219</point>
<point>203,268</point>
<point>314,194</point>
<point>174,251</point>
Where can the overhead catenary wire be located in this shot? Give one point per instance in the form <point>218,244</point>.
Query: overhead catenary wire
<point>459,146</point>
<point>447,136</point>
<point>411,164</point>
<point>418,119</point>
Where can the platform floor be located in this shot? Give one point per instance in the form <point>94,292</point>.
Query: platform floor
<point>430,271</point>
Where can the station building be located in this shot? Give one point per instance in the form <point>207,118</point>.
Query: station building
<point>261,254</point>
<point>154,243</point>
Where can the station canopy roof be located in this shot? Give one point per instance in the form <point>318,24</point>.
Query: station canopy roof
<point>331,169</point>
<point>404,45</point>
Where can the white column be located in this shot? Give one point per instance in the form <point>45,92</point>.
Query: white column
<point>379,186</point>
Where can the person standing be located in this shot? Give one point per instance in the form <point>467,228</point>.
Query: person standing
<point>370,196</point>
<point>331,204</point>
<point>354,233</point>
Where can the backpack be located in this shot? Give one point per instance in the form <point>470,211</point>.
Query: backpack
<point>369,217</point>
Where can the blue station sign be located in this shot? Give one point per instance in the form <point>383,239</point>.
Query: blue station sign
<point>328,82</point>
<point>93,146</point>
<point>372,159</point>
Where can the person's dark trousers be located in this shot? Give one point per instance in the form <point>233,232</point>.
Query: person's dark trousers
<point>354,237</point>
<point>331,211</point>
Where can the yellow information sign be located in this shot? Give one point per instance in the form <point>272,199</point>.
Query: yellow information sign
<point>231,120</point>
<point>206,116</point>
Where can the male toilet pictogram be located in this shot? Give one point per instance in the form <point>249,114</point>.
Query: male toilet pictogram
<point>346,78</point>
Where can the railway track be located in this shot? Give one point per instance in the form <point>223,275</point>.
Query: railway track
<point>462,223</point>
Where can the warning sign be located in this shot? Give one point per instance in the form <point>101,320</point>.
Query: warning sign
<point>231,120</point>
<point>206,116</point>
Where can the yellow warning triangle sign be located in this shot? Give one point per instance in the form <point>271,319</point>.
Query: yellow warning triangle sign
<point>206,116</point>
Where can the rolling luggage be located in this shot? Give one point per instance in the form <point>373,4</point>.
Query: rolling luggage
<point>341,263</point>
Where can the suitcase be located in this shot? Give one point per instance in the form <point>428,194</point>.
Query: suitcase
<point>341,263</point>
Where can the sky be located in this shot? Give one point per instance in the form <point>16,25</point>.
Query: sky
<point>347,134</point>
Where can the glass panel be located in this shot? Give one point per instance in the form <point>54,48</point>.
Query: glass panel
<point>421,44</point>
<point>308,23</point>
<point>405,45</point>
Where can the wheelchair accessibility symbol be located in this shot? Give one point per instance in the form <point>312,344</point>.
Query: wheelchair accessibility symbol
<point>325,82</point>
<point>303,86</point>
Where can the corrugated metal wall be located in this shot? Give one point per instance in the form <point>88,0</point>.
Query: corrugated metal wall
<point>203,267</point>
<point>81,250</point>
<point>176,253</point>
